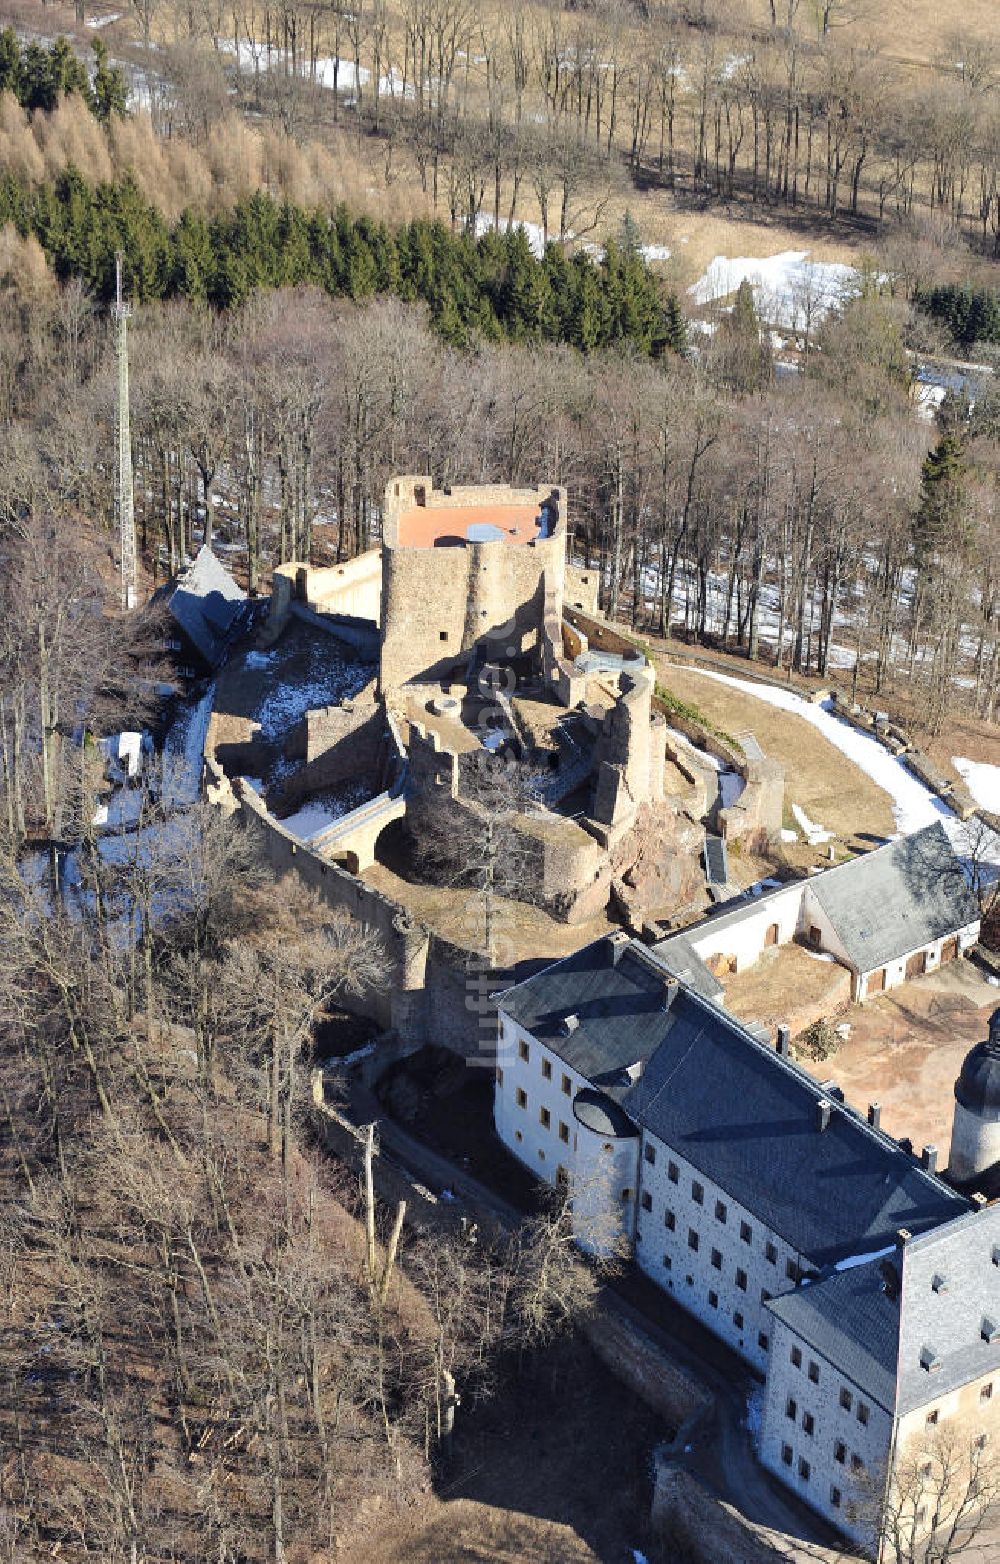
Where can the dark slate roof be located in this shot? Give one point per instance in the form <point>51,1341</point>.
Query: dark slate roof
<point>896,899</point>
<point>716,862</point>
<point>617,993</point>
<point>207,604</point>
<point>848,1318</point>
<point>729,1104</point>
<point>681,960</point>
<point>748,1120</point>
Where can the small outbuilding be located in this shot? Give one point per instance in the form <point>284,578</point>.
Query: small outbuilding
<point>208,608</point>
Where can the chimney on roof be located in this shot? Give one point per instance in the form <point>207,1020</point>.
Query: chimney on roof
<point>906,1145</point>
<point>822,1114</point>
<point>979,1200</point>
<point>928,1158</point>
<point>903,1236</point>
<point>569,1024</point>
<point>874,1114</point>
<point>784,1043</point>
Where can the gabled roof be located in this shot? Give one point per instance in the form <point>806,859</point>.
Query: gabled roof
<point>896,899</point>
<point>681,960</point>
<point>206,604</point>
<point>729,1104</point>
<point>732,1107</point>
<point>617,994</point>
<point>849,1320</point>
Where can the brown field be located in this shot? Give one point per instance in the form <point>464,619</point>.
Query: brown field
<point>829,787</point>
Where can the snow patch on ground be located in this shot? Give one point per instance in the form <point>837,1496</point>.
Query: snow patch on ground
<point>731,785</point>
<point>324,810</point>
<point>183,752</point>
<point>913,805</point>
<point>982,779</point>
<point>789,289</point>
<point>813,833</point>
<point>260,659</point>
<point>789,836</point>
<point>287,702</point>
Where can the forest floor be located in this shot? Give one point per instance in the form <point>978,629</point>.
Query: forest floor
<point>555,1470</point>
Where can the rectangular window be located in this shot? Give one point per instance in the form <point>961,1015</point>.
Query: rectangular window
<point>647,1200</point>
<point>667,1262</point>
<point>835,1498</point>
<point>720,1211</point>
<point>862,1412</point>
<point>845,1398</point>
<point>932,1418</point>
<point>986,1393</point>
<point>738,1320</point>
<point>521,1097</point>
<point>765,1296</point>
<point>522,1050</point>
<point>716,1259</point>
<point>771,1254</point>
<point>567,1085</point>
<point>857,1465</point>
<point>693,1239</point>
<point>741,1280</point>
<point>713,1300</point>
<point>673,1172</point>
<point>746,1232</point>
<point>813,1372</point>
<point>649,1152</point>
<point>786,1454</point>
<point>840,1451</point>
<point>564,1133</point>
<point>499,1076</point>
<point>791,1409</point>
<point>791,1270</point>
<point>669,1221</point>
<point>797,1357</point>
<point>547,1069</point>
<point>697,1193</point>
<point>544,1118</point>
<point>804,1469</point>
<point>762,1340</point>
<point>808,1423</point>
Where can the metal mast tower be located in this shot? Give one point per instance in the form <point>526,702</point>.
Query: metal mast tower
<point>124,512</point>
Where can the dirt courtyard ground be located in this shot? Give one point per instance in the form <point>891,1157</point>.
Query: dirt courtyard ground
<point>788,985</point>
<point>906,1049</point>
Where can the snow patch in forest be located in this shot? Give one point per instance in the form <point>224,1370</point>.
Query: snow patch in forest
<point>534,232</point>
<point>789,289</point>
<point>183,752</point>
<point>982,779</point>
<point>913,805</point>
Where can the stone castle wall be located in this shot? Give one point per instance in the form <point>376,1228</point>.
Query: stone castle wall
<point>439,604</point>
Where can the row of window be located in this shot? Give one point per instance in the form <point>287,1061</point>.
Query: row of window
<point>524,1054</point>
<point>721,1213</point>
<point>713,1303</point>
<point>809,1427</point>
<point>805,1472</point>
<point>846,1397</point>
<point>544,1116</point>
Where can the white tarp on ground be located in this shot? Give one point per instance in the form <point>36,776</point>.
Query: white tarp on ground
<point>913,804</point>
<point>983,781</point>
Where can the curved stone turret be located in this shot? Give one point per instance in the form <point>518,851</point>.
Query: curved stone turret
<point>975,1137</point>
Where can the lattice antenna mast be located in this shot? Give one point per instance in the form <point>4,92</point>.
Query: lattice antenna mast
<point>124,512</point>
